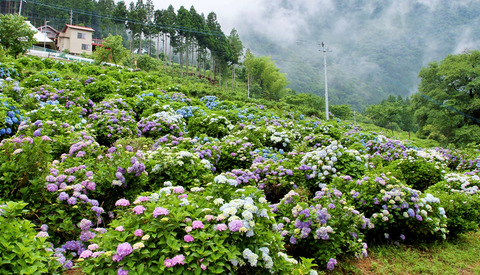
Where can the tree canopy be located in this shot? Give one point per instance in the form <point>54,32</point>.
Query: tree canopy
<point>112,49</point>
<point>447,107</point>
<point>15,35</point>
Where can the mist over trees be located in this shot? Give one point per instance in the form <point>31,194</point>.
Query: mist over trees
<point>377,47</point>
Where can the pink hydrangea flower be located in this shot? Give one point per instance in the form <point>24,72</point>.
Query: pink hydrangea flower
<point>188,238</point>
<point>197,224</point>
<point>138,209</point>
<point>138,232</point>
<point>122,202</point>
<point>221,227</point>
<point>86,254</point>
<point>160,211</point>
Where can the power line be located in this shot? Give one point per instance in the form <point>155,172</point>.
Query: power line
<point>127,20</point>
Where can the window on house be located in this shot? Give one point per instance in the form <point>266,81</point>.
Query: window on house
<point>85,47</point>
<point>81,35</point>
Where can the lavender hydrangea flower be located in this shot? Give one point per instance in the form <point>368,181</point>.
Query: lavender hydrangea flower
<point>138,232</point>
<point>235,225</point>
<point>331,264</point>
<point>124,249</point>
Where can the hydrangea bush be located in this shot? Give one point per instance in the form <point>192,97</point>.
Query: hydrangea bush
<point>396,210</point>
<point>179,232</point>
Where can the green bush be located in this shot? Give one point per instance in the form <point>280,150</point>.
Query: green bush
<point>459,196</point>
<point>417,171</point>
<point>22,250</point>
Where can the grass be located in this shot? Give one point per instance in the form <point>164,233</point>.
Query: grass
<point>454,256</point>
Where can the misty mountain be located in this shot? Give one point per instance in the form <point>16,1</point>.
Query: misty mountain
<point>377,46</point>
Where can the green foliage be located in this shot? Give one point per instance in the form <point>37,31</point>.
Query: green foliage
<point>15,35</point>
<point>23,164</point>
<point>23,251</point>
<point>392,113</point>
<point>458,194</point>
<point>145,62</point>
<point>112,48</point>
<point>267,75</point>
<point>447,106</point>
<point>417,170</point>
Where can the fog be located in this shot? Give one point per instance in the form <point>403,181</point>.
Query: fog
<point>368,39</point>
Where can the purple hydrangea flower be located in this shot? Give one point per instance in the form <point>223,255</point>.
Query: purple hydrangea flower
<point>124,249</point>
<point>331,264</point>
<point>235,225</point>
<point>122,272</point>
<point>138,232</point>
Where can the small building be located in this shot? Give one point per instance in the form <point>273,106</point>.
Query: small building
<point>51,32</point>
<point>41,38</point>
<point>75,39</point>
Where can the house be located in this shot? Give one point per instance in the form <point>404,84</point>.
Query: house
<point>50,31</point>
<point>41,38</point>
<point>75,39</point>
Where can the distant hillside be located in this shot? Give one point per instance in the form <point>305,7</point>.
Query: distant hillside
<point>377,47</point>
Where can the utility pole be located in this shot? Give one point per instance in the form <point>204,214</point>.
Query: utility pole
<point>324,46</point>
<point>20,9</point>
<point>71,17</point>
<point>45,35</point>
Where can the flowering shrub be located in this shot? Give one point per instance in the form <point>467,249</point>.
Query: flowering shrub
<point>23,250</point>
<point>396,210</point>
<point>459,196</point>
<point>23,162</point>
<point>179,232</point>
<point>162,123</point>
<point>179,166</point>
<point>113,119</point>
<point>234,154</point>
<point>10,117</point>
<point>326,163</point>
<point>419,169</point>
<point>96,90</point>
<point>324,227</point>
<point>212,125</point>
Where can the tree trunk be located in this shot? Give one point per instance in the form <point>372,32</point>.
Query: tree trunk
<point>158,47</point>
<point>211,65</point>
<point>248,84</point>
<point>233,78</point>
<point>140,42</point>
<point>186,49</point>
<point>181,63</point>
